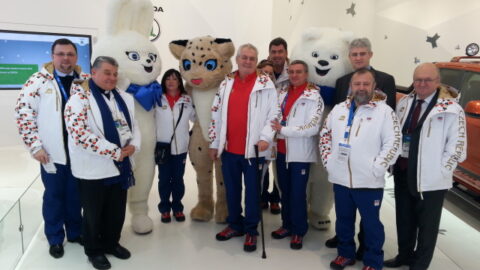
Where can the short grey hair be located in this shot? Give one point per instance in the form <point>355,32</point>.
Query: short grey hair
<point>246,46</point>
<point>361,43</point>
<point>300,62</point>
<point>104,59</point>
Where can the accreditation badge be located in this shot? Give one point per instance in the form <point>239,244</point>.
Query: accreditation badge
<point>406,145</point>
<point>344,150</point>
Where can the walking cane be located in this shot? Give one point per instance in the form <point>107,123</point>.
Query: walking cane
<point>259,180</point>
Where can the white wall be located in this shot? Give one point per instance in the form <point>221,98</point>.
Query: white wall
<point>405,23</point>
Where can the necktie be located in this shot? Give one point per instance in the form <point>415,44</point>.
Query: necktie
<point>415,115</point>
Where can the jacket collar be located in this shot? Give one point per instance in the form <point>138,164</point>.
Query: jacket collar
<point>447,99</point>
<point>378,96</point>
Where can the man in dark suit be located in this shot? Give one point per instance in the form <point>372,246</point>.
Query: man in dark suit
<point>430,115</point>
<point>360,53</point>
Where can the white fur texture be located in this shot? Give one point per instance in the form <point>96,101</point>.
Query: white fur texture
<point>325,50</point>
<point>127,40</point>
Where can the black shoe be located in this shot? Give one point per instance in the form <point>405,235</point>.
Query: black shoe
<point>100,262</point>
<point>179,216</point>
<point>78,240</point>
<point>332,242</point>
<point>56,251</point>
<point>395,263</point>
<point>359,254</point>
<point>119,252</point>
<point>166,218</point>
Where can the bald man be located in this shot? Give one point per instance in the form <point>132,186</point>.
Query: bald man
<point>434,141</point>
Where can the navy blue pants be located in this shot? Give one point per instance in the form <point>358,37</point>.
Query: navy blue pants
<point>170,183</point>
<point>293,186</point>
<point>61,205</point>
<point>233,166</point>
<point>368,203</point>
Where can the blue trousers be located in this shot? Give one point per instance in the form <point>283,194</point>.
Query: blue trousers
<point>293,186</point>
<point>170,183</point>
<point>61,205</point>
<point>233,166</point>
<point>368,203</point>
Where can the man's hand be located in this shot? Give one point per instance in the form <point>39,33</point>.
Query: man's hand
<point>213,152</point>
<point>276,126</point>
<point>262,145</point>
<point>41,156</point>
<point>127,151</point>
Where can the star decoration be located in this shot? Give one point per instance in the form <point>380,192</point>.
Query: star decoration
<point>386,37</point>
<point>457,48</point>
<point>302,2</point>
<point>433,40</point>
<point>351,10</point>
<point>416,60</point>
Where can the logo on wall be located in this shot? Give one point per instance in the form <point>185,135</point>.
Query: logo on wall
<point>155,32</point>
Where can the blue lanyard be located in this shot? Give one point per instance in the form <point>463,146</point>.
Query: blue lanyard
<point>60,85</point>
<point>351,115</point>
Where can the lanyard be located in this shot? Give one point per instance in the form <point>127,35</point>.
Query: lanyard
<point>60,85</point>
<point>284,104</point>
<point>351,115</point>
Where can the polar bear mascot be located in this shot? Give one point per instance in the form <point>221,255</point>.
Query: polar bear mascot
<point>204,62</point>
<point>126,39</point>
<point>325,50</point>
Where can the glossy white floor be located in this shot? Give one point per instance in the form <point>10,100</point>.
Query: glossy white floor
<point>192,245</point>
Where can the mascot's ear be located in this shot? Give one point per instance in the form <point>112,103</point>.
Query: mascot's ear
<point>177,47</point>
<point>348,36</point>
<point>224,46</point>
<point>129,15</point>
<point>312,33</point>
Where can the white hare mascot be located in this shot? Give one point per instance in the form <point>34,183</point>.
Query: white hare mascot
<point>126,39</point>
<point>325,50</point>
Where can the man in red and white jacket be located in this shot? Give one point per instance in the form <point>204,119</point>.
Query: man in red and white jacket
<point>242,111</point>
<point>361,138</point>
<point>301,114</point>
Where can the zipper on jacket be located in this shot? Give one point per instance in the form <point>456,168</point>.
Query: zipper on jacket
<point>429,127</point>
<point>350,173</point>
<point>419,170</point>
<point>358,129</point>
<point>174,133</point>
<point>57,101</point>
<point>256,99</point>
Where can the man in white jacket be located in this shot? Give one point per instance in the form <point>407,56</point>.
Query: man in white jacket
<point>39,115</point>
<point>434,141</point>
<point>242,111</point>
<point>361,138</point>
<point>103,135</point>
<point>301,114</point>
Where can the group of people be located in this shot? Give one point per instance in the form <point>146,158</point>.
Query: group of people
<point>80,128</point>
<point>255,120</point>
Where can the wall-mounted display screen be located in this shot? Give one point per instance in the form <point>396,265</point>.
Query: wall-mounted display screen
<point>24,53</point>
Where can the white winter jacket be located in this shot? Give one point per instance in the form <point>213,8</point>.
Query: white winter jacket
<point>443,140</point>
<point>262,110</point>
<point>375,139</point>
<point>302,125</point>
<point>39,113</point>
<point>91,154</point>
<point>166,120</point>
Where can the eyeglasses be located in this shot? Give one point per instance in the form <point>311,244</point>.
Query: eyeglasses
<point>427,80</point>
<point>65,54</point>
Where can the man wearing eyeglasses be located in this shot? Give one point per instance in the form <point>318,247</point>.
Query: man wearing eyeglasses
<point>39,115</point>
<point>360,53</point>
<point>434,141</point>
<point>242,112</point>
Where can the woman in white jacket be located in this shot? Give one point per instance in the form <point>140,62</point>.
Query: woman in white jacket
<point>301,108</point>
<point>172,128</point>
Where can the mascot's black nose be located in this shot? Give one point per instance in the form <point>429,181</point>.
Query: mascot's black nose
<point>149,61</point>
<point>323,63</point>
